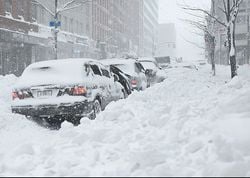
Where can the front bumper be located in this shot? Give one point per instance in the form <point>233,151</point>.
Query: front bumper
<point>77,109</point>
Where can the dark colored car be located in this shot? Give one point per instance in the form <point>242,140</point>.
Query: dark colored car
<point>67,89</point>
<point>133,69</point>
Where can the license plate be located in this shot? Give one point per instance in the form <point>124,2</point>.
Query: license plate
<point>44,93</point>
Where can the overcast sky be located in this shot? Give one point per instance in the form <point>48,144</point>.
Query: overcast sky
<point>170,12</point>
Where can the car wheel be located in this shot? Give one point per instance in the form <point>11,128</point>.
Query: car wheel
<point>76,121</point>
<point>53,123</point>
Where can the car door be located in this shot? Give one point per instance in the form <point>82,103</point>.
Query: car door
<point>114,87</point>
<point>142,75</point>
<point>101,87</point>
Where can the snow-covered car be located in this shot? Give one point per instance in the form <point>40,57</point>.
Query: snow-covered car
<point>163,62</point>
<point>153,72</point>
<point>66,89</point>
<point>187,65</point>
<point>133,70</point>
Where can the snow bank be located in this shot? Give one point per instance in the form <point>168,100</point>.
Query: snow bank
<point>190,125</point>
<point>6,84</point>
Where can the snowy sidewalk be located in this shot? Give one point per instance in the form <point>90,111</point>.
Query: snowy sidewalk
<point>190,125</point>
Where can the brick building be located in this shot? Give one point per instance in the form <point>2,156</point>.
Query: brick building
<point>15,43</point>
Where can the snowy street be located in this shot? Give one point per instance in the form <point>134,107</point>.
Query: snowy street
<point>192,124</point>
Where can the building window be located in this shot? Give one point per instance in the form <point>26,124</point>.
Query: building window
<point>34,11</point>
<point>20,8</point>
<point>1,63</point>
<point>241,19</point>
<point>65,23</point>
<point>8,5</point>
<point>71,26</point>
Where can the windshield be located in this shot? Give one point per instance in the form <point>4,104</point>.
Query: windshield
<point>162,60</point>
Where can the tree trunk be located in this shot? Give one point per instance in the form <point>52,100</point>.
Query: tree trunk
<point>233,52</point>
<point>212,55</point>
<point>229,44</point>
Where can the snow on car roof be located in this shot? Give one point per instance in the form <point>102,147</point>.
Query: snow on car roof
<point>125,65</point>
<point>118,61</point>
<point>54,72</point>
<point>147,59</point>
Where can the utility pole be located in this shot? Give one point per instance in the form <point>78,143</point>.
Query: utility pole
<point>56,29</point>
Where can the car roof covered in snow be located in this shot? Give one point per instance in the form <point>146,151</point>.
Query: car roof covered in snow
<point>55,72</point>
<point>118,61</point>
<point>150,59</point>
<point>62,62</point>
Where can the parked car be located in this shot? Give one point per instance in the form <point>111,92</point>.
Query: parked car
<point>154,73</point>
<point>163,62</point>
<point>133,70</point>
<point>66,89</point>
<point>187,65</point>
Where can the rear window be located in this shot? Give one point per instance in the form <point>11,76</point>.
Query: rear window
<point>96,70</point>
<point>163,60</point>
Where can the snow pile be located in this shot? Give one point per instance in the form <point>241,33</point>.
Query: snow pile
<point>190,125</point>
<point>6,86</point>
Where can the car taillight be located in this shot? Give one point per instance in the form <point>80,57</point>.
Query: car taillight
<point>14,95</point>
<point>79,91</point>
<point>21,95</point>
<point>134,82</point>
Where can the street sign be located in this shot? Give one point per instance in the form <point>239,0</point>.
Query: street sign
<point>55,24</point>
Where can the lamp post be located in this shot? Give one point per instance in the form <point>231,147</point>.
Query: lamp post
<point>55,29</point>
<point>56,23</point>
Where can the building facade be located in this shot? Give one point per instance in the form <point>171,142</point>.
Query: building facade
<point>150,27</point>
<point>96,29</point>
<point>115,26</point>
<point>166,45</point>
<point>74,31</point>
<point>125,26</point>
<point>242,36</point>
<point>26,37</point>
<point>16,46</point>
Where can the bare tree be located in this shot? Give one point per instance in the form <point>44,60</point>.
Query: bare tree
<point>206,25</point>
<point>230,9</point>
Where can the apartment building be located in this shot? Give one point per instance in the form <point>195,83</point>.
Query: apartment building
<point>166,45</point>
<point>150,27</point>
<point>16,46</point>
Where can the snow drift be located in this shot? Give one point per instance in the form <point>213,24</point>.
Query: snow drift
<point>190,125</point>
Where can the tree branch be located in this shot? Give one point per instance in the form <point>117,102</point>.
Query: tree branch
<point>207,13</point>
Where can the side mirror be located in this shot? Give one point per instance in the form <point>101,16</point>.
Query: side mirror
<point>149,72</point>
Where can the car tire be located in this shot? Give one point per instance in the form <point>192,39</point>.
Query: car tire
<point>53,124</point>
<point>76,121</point>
